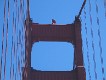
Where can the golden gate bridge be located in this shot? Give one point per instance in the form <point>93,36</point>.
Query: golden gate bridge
<point>86,33</point>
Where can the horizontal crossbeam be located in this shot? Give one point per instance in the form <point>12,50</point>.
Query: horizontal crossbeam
<point>49,32</point>
<point>53,75</point>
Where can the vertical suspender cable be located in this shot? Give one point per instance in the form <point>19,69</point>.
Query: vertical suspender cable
<point>105,7</point>
<point>11,58</point>
<point>19,37</point>
<point>8,9</point>
<point>6,50</point>
<point>92,41</point>
<point>15,43</point>
<point>6,40</point>
<point>87,47</point>
<point>12,46</point>
<point>2,56</point>
<point>23,36</point>
<point>2,52</point>
<point>100,45</point>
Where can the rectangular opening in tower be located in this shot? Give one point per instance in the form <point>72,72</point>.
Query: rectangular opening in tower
<point>52,56</point>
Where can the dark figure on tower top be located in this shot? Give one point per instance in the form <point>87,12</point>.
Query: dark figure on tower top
<point>53,21</point>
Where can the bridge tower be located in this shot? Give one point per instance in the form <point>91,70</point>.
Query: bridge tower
<point>70,33</point>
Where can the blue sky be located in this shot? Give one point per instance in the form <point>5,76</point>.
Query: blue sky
<point>47,56</point>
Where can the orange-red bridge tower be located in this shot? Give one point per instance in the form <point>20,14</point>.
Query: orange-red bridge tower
<point>70,33</point>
